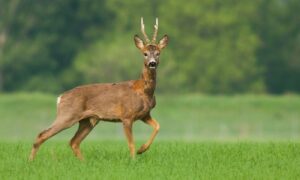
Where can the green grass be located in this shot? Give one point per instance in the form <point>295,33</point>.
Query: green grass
<point>201,137</point>
<point>165,160</point>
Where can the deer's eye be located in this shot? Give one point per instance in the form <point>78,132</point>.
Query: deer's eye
<point>145,54</point>
<point>157,54</point>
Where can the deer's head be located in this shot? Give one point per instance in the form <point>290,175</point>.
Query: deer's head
<point>150,49</point>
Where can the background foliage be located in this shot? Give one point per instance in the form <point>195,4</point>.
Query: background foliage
<point>216,46</point>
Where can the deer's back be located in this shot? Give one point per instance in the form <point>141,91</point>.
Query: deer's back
<point>111,102</point>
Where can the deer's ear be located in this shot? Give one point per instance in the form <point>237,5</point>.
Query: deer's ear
<point>138,42</point>
<point>163,42</point>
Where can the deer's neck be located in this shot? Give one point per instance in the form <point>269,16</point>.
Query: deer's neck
<point>149,78</point>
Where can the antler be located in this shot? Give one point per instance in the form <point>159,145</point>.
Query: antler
<point>155,31</point>
<point>143,31</point>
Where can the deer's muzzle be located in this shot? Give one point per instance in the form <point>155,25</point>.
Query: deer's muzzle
<point>152,64</point>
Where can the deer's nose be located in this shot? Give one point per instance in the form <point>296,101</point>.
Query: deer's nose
<point>152,64</point>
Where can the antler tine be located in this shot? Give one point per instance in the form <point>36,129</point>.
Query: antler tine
<point>143,30</point>
<point>155,31</point>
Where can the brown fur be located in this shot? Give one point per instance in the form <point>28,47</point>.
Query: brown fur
<point>123,102</point>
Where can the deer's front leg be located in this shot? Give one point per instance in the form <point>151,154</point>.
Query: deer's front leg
<point>153,123</point>
<point>127,126</point>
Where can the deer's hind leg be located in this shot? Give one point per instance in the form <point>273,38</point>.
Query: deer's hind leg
<point>85,127</point>
<point>55,128</point>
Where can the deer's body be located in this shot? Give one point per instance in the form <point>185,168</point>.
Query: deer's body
<point>108,102</point>
<point>123,102</point>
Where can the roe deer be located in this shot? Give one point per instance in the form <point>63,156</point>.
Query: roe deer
<point>123,102</point>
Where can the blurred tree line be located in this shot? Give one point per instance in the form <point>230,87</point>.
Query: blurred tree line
<point>215,46</point>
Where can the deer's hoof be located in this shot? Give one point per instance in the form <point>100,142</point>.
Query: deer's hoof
<point>142,149</point>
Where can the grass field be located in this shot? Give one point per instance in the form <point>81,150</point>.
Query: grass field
<point>166,160</point>
<point>201,137</point>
